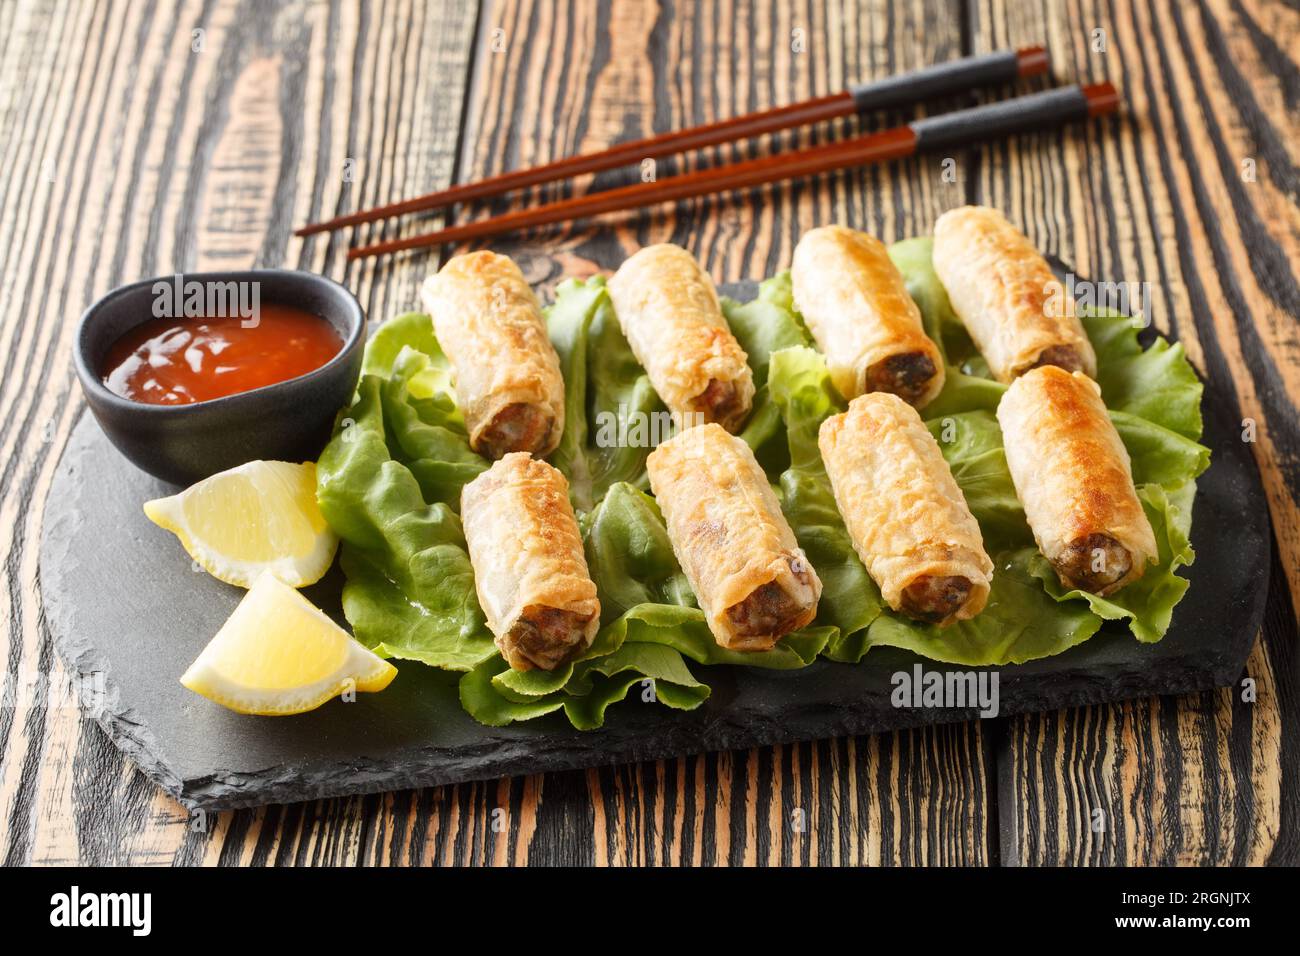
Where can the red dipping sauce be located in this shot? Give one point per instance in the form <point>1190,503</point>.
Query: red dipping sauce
<point>180,361</point>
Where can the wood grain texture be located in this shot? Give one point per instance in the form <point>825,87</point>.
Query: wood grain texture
<point>135,146</point>
<point>1194,191</point>
<point>144,138</point>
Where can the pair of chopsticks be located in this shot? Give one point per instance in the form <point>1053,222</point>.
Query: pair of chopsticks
<point>949,130</point>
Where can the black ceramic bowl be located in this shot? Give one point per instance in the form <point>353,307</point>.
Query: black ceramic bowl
<point>287,421</point>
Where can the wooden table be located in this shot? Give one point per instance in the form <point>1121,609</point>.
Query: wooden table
<point>145,138</point>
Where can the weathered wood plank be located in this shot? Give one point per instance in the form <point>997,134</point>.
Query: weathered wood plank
<point>142,138</point>
<point>1162,195</point>
<point>130,152</point>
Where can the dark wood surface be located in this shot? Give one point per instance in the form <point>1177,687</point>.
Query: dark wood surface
<point>129,152</point>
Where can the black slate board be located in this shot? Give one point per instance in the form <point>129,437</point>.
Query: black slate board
<point>123,601</point>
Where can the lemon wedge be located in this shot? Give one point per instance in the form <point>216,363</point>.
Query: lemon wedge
<point>279,654</point>
<point>258,517</point>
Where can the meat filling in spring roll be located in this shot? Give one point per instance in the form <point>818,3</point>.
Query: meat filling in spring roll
<point>855,303</point>
<point>1074,479</point>
<point>1016,310</point>
<point>529,569</point>
<point>749,575</point>
<point>669,311</point>
<point>508,381</point>
<point>904,512</point>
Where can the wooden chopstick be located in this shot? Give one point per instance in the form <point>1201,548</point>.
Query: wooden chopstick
<point>905,89</point>
<point>949,130</point>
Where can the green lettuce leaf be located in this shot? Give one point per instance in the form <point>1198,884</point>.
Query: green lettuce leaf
<point>764,327</point>
<point>964,393</point>
<point>1157,384</point>
<point>1159,456</point>
<point>410,588</point>
<point>412,330</point>
<point>971,443</point>
<point>426,431</point>
<point>613,418</point>
<point>661,674</point>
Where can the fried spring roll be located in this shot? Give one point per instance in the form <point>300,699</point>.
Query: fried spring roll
<point>529,569</point>
<point>508,382</point>
<point>669,312</point>
<point>1074,479</point>
<point>1016,310</point>
<point>907,517</point>
<point>855,303</point>
<point>750,576</point>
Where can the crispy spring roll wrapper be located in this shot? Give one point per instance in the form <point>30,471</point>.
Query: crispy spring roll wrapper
<point>750,576</point>
<point>1074,479</point>
<point>669,312</point>
<point>904,511</point>
<point>529,568</point>
<point>508,382</point>
<point>1014,307</point>
<point>855,303</point>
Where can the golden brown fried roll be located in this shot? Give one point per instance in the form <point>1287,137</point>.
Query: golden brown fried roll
<point>671,317</point>
<point>855,303</point>
<point>904,511</point>
<point>529,569</point>
<point>508,382</point>
<point>750,576</point>
<point>1074,479</point>
<point>1016,310</point>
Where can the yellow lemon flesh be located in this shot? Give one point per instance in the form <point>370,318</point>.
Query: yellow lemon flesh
<point>278,654</point>
<point>258,517</point>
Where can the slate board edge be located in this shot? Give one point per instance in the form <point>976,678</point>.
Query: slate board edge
<point>127,733</point>
<point>236,791</point>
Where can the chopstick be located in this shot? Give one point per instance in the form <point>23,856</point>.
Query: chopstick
<point>968,127</point>
<point>941,79</point>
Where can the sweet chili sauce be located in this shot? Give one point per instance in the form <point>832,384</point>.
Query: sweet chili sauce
<point>179,361</point>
